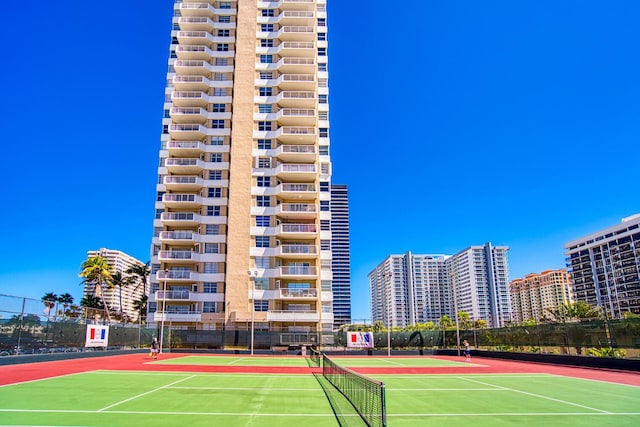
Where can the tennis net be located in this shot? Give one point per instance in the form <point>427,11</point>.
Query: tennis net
<point>366,395</point>
<point>315,356</point>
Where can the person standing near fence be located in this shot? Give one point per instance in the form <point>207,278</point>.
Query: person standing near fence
<point>155,348</point>
<point>467,351</point>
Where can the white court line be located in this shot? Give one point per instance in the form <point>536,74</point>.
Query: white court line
<point>145,393</point>
<point>536,395</point>
<point>234,414</point>
<point>45,379</point>
<point>518,414</point>
<point>248,389</point>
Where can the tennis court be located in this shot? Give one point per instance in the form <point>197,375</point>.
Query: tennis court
<point>197,390</point>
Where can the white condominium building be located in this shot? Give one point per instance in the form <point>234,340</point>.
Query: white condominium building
<point>409,289</point>
<point>244,175</point>
<point>605,268</point>
<point>123,298</point>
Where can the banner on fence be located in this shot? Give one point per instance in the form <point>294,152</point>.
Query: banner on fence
<point>360,339</point>
<point>97,336</point>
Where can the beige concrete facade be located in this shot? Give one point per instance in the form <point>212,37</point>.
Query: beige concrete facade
<point>536,293</point>
<point>244,175</point>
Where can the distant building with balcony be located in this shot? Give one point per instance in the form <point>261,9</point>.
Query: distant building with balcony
<point>409,289</point>
<point>118,299</point>
<point>534,295</point>
<point>244,178</point>
<point>605,266</point>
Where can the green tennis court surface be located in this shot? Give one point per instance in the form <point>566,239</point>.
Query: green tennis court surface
<point>126,398</point>
<point>394,362</point>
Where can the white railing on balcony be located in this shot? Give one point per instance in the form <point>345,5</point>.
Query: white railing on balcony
<point>180,179</point>
<point>176,235</point>
<point>297,14</point>
<point>184,144</point>
<point>299,149</point>
<point>174,274</point>
<point>189,198</point>
<point>298,228</point>
<point>188,111</point>
<point>291,130</point>
<point>180,161</point>
<point>298,45</point>
<point>297,270</point>
<point>298,187</point>
<point>298,78</point>
<point>297,95</point>
<point>297,61</point>
<point>298,249</point>
<point>175,254</point>
<point>173,295</point>
<point>297,168</point>
<point>298,293</point>
<point>297,30</point>
<point>298,207</point>
<point>297,112</point>
<point>177,216</point>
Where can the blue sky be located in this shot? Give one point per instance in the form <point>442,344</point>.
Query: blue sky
<point>453,123</point>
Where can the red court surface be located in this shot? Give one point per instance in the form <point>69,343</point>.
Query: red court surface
<point>10,374</point>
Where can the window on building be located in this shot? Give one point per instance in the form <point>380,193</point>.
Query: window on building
<point>263,221</point>
<point>324,132</point>
<point>217,124</point>
<point>322,36</point>
<point>210,288</point>
<point>264,162</point>
<point>266,59</point>
<point>264,126</point>
<point>264,108</point>
<point>213,210</point>
<point>210,267</point>
<point>223,33</point>
<point>322,51</point>
<point>262,241</point>
<point>266,75</point>
<point>264,144</point>
<point>216,140</point>
<point>263,201</point>
<point>218,108</point>
<point>224,19</point>
<point>268,12</point>
<point>221,62</point>
<point>324,206</point>
<point>222,47</point>
<point>211,248</point>
<point>214,192</point>
<point>209,307</point>
<point>265,91</point>
<point>261,305</point>
<point>322,99</point>
<point>265,28</point>
<point>262,262</point>
<point>266,42</point>
<point>215,175</point>
<point>216,158</point>
<point>219,91</point>
<point>212,229</point>
<point>263,181</point>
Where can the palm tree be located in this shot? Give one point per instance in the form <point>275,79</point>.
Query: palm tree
<point>49,300</point>
<point>92,301</point>
<point>66,300</point>
<point>141,307</point>
<point>141,272</point>
<point>118,281</point>
<point>97,270</point>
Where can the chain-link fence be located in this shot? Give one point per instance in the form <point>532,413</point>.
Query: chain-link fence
<point>33,326</point>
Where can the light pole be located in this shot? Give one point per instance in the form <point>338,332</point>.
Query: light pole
<point>252,287</point>
<point>164,301</point>
<point>455,309</point>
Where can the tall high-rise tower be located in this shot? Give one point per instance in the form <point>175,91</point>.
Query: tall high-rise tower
<point>244,173</point>
<point>341,253</point>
